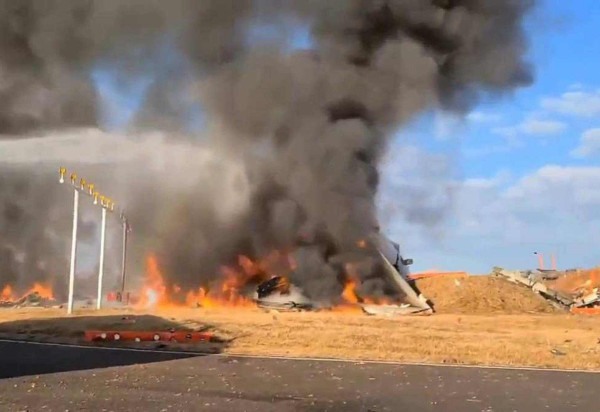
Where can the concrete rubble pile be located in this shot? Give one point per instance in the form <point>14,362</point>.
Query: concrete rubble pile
<point>537,281</point>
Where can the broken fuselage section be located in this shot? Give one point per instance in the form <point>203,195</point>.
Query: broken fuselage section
<point>278,293</point>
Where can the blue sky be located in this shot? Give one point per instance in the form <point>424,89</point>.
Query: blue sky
<point>523,171</point>
<point>564,54</point>
<point>517,175</point>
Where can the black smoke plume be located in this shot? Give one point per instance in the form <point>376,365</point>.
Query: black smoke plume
<point>292,140</point>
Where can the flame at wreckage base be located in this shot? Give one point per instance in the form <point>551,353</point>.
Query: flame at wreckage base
<point>242,286</point>
<point>8,293</point>
<point>266,282</point>
<point>246,284</point>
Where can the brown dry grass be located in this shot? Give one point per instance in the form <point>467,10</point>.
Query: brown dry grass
<point>479,320</point>
<point>516,340</point>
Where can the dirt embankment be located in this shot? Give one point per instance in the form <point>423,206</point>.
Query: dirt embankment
<point>481,295</point>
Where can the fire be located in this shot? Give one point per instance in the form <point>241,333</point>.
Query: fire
<point>236,284</point>
<point>228,291</point>
<point>6,293</point>
<point>44,291</point>
<point>154,292</point>
<point>351,296</point>
<point>349,293</point>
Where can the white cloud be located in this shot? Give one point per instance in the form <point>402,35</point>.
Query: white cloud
<point>475,152</point>
<point>498,221</point>
<point>483,117</point>
<point>416,185</point>
<point>542,127</point>
<point>576,103</point>
<point>501,178</point>
<point>447,125</point>
<point>589,144</point>
<point>575,186</point>
<point>533,127</point>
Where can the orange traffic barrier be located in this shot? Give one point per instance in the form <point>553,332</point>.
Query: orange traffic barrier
<point>586,311</point>
<point>453,275</point>
<point>145,336</point>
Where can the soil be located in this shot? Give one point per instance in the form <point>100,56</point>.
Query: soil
<point>481,295</point>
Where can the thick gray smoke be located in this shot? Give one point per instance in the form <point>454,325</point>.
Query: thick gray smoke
<point>294,136</point>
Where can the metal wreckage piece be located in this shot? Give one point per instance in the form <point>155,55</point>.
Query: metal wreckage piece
<point>532,281</point>
<point>30,300</point>
<point>278,294</point>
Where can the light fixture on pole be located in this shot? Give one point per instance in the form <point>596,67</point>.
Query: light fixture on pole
<point>107,205</point>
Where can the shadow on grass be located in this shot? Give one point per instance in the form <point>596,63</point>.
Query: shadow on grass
<point>33,347</point>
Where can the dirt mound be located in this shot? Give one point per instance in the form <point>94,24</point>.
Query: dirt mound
<point>481,295</point>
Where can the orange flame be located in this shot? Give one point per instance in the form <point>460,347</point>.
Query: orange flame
<point>235,283</point>
<point>6,293</point>
<point>349,293</point>
<point>229,290</point>
<point>44,291</point>
<point>154,292</point>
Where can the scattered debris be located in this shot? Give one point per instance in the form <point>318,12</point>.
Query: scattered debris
<point>278,284</point>
<point>575,301</point>
<point>410,295</point>
<point>284,306</point>
<point>30,300</point>
<point>278,294</point>
<point>557,352</point>
<point>394,310</point>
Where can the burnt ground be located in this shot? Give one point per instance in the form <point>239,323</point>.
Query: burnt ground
<point>223,383</point>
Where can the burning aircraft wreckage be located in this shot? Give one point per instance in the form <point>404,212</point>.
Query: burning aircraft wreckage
<point>297,135</point>
<point>267,284</point>
<point>278,293</point>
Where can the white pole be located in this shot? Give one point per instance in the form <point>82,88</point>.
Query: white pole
<point>124,257</point>
<point>73,251</point>
<point>101,267</point>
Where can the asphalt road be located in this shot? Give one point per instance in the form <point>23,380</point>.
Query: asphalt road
<point>218,383</point>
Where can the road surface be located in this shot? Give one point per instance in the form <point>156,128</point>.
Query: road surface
<point>219,383</point>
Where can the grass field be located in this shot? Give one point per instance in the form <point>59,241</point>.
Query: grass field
<point>553,340</point>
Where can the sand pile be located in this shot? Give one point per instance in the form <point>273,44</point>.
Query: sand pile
<point>481,295</point>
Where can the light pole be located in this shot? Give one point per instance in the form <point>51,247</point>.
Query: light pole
<point>126,230</point>
<point>62,173</point>
<point>107,205</point>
